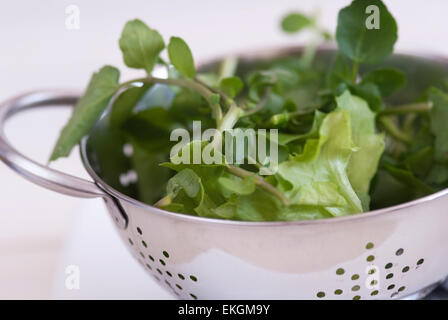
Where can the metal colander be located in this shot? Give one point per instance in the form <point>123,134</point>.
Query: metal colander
<point>397,252</point>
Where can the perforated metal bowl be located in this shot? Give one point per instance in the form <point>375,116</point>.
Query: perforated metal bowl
<point>395,252</point>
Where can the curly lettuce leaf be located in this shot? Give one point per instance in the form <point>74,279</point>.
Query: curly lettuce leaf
<point>319,175</point>
<point>363,163</point>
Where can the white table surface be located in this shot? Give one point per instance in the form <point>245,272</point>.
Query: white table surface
<point>43,232</point>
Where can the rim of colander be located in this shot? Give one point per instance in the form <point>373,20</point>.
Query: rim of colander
<point>260,54</point>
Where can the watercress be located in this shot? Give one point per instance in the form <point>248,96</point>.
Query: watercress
<point>343,148</point>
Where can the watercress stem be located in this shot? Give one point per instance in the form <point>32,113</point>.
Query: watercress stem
<point>391,128</point>
<point>421,107</point>
<point>259,181</point>
<point>260,104</point>
<point>228,67</point>
<point>185,83</point>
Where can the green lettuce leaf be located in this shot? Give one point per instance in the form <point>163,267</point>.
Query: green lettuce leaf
<point>364,161</point>
<point>319,175</point>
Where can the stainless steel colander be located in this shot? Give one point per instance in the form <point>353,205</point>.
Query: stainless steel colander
<point>397,252</point>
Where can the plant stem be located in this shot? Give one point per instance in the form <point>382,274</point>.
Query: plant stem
<point>185,83</point>
<point>391,128</point>
<point>421,107</point>
<point>228,67</point>
<point>260,104</point>
<point>259,181</point>
<point>286,116</point>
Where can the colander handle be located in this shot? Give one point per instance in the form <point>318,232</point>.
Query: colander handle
<point>31,170</point>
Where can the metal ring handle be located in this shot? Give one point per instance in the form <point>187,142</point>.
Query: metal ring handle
<point>31,170</point>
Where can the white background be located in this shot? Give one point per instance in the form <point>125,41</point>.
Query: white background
<point>40,231</point>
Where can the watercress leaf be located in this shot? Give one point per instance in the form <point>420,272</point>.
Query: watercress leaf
<point>406,177</point>
<point>364,161</point>
<point>232,85</point>
<point>366,37</point>
<point>209,173</point>
<point>88,110</point>
<point>420,162</point>
<point>285,138</point>
<point>123,106</point>
<point>140,45</point>
<point>387,80</point>
<point>188,105</point>
<point>151,178</point>
<point>438,175</point>
<point>108,142</point>
<point>370,93</point>
<point>295,21</point>
<point>151,129</point>
<point>340,72</point>
<point>388,191</point>
<point>181,57</point>
<point>439,120</point>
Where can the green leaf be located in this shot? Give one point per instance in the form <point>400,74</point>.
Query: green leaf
<point>237,185</point>
<point>406,177</point>
<point>319,175</point>
<point>88,110</point>
<point>370,93</point>
<point>285,138</point>
<point>387,80</point>
<point>295,22</point>
<point>151,129</point>
<point>438,175</point>
<point>358,42</point>
<point>420,162</point>
<point>151,178</point>
<point>124,105</point>
<point>187,180</point>
<point>232,86</point>
<point>341,72</point>
<point>181,57</point>
<point>258,206</point>
<point>364,161</point>
<point>140,45</point>
<point>439,120</point>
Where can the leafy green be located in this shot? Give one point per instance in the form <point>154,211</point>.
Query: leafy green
<point>124,105</point>
<point>363,44</point>
<point>319,175</point>
<point>140,45</point>
<point>439,118</point>
<point>294,22</point>
<point>326,158</point>
<point>232,86</point>
<point>89,108</point>
<point>387,80</point>
<point>369,146</point>
<point>181,57</point>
